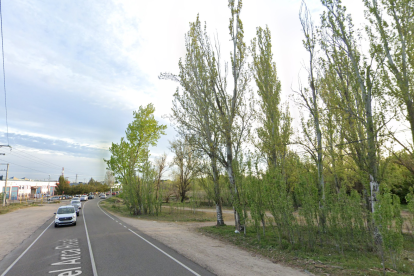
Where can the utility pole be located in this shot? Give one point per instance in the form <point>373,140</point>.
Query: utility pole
<point>76,181</point>
<point>5,186</point>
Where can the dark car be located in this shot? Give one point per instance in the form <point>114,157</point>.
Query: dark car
<point>91,196</point>
<point>77,204</point>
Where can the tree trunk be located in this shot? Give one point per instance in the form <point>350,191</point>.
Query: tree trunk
<point>236,200</point>
<point>220,221</point>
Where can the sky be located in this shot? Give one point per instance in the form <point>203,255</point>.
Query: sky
<point>76,70</point>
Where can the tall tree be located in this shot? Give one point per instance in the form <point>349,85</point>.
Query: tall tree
<point>193,115</point>
<point>393,23</point>
<point>275,130</point>
<point>359,89</point>
<point>391,31</point>
<point>129,158</point>
<point>310,97</point>
<point>232,109</point>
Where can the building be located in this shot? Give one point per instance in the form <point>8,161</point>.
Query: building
<point>26,188</point>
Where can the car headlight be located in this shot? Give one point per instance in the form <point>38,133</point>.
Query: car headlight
<point>56,217</point>
<point>74,216</point>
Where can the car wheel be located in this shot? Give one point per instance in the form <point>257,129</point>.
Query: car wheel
<point>74,224</point>
<point>56,225</point>
<point>77,214</point>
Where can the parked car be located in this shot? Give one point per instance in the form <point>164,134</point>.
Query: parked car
<point>54,198</point>
<point>91,196</point>
<point>65,215</point>
<point>103,196</point>
<point>84,198</point>
<point>113,193</point>
<point>77,204</point>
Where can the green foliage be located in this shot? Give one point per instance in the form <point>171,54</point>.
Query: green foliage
<point>129,160</point>
<point>63,186</point>
<point>389,221</point>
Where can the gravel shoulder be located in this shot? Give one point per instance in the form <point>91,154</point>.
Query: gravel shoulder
<point>18,225</point>
<point>217,256</point>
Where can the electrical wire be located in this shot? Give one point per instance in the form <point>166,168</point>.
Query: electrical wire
<point>38,161</point>
<point>4,72</point>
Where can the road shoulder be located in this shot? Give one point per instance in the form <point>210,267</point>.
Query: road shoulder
<point>216,256</point>
<point>17,226</point>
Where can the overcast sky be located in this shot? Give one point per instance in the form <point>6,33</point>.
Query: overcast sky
<point>76,70</point>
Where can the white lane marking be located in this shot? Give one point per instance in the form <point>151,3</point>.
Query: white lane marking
<point>24,252</point>
<point>95,273</point>
<point>159,249</point>
<point>165,253</point>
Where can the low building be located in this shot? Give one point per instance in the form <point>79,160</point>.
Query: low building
<point>17,189</point>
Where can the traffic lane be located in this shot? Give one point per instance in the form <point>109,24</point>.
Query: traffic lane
<point>59,251</point>
<point>119,250</point>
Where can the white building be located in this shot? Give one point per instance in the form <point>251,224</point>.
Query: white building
<point>27,189</point>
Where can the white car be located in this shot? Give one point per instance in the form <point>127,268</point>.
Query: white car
<point>103,196</point>
<point>65,215</point>
<point>84,198</point>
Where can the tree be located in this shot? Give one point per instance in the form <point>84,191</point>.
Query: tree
<point>274,130</point>
<point>187,163</point>
<point>160,166</point>
<point>311,99</point>
<point>129,158</point>
<point>63,186</point>
<point>357,88</point>
<point>109,178</point>
<point>392,38</point>
<point>391,35</point>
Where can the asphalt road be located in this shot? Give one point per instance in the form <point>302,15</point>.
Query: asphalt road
<point>99,244</point>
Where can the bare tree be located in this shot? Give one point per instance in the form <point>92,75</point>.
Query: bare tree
<point>187,164</point>
<point>109,178</point>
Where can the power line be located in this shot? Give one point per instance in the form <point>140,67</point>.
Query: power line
<point>36,160</point>
<point>23,166</point>
<point>4,72</point>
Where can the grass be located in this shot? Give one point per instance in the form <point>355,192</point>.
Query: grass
<point>15,206</point>
<point>321,260</point>
<point>116,205</point>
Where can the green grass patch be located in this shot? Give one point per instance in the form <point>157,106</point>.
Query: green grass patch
<point>116,205</point>
<point>323,259</point>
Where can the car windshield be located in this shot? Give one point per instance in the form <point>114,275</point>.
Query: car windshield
<point>75,201</point>
<point>65,211</point>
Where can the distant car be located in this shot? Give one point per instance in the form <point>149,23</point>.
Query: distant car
<point>91,196</point>
<point>65,215</point>
<point>54,198</point>
<point>113,193</point>
<point>103,196</point>
<point>77,204</point>
<point>107,193</point>
<point>84,198</point>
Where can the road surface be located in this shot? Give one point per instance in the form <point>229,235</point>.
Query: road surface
<point>99,244</point>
